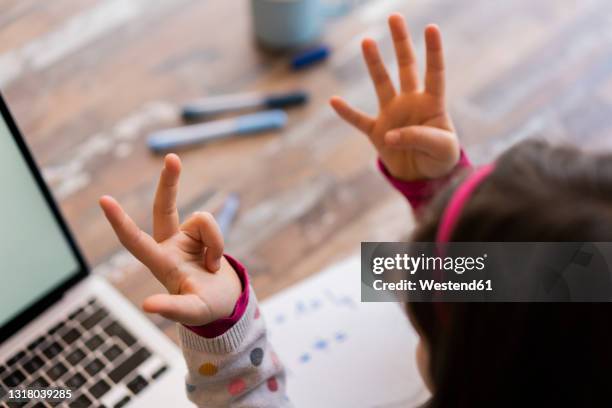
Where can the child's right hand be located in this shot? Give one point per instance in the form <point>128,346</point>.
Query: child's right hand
<point>413,133</point>
<point>186,258</point>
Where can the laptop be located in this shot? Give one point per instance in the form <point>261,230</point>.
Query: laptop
<point>62,328</point>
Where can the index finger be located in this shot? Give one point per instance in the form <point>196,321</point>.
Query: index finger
<point>165,213</point>
<point>138,242</point>
<point>435,71</point>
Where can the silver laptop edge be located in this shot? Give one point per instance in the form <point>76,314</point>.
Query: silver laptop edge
<point>60,299</point>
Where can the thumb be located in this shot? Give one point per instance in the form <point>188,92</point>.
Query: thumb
<point>438,143</point>
<point>186,309</point>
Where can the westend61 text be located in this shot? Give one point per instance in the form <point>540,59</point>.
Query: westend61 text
<point>432,285</point>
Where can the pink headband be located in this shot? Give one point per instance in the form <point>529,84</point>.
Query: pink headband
<point>457,202</point>
<point>449,219</point>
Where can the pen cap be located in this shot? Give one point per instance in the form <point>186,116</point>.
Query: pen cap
<point>310,57</point>
<point>287,99</point>
<point>192,113</point>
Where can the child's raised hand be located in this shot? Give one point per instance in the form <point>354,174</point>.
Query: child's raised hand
<point>413,133</point>
<point>187,258</point>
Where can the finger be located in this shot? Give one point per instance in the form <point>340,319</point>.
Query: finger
<point>353,116</point>
<point>185,309</point>
<point>165,213</point>
<point>378,72</point>
<point>202,227</point>
<point>404,50</point>
<point>139,243</point>
<point>437,143</point>
<point>434,72</point>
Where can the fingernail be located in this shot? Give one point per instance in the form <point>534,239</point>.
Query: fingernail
<point>217,264</point>
<point>393,136</point>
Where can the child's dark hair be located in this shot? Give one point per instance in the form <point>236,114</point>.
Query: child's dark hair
<point>524,354</point>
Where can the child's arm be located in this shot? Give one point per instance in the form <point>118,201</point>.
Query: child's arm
<point>235,365</point>
<point>413,132</point>
<point>223,338</point>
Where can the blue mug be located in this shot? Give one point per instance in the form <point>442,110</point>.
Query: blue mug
<point>286,24</point>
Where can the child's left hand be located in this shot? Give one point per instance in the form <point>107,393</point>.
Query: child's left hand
<point>413,132</point>
<point>187,259</point>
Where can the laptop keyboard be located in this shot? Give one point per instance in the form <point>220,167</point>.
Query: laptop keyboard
<point>90,353</point>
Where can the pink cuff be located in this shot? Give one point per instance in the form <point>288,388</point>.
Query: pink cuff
<point>419,192</point>
<point>220,326</point>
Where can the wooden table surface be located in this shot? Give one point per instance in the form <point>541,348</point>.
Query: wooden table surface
<point>88,79</point>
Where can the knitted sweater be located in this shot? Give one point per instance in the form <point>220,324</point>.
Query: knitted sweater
<point>230,361</point>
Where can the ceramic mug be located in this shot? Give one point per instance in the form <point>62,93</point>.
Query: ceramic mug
<point>286,24</point>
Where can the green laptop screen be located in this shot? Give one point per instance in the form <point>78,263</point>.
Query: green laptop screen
<point>34,254</point>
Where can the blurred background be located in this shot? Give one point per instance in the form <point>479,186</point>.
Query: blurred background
<point>88,80</point>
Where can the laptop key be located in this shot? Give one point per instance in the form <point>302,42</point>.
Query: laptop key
<point>70,336</point>
<point>113,352</point>
<point>33,364</point>
<point>75,356</point>
<point>52,350</point>
<point>137,384</point>
<point>56,328</point>
<point>115,329</point>
<point>18,356</point>
<point>74,314</point>
<point>36,343</point>
<point>14,378</point>
<point>40,382</point>
<point>76,381</point>
<point>123,402</point>
<point>159,372</point>
<point>122,370</point>
<point>80,402</point>
<point>98,389</point>
<point>57,371</point>
<point>94,367</point>
<point>94,318</point>
<point>17,404</point>
<point>94,342</point>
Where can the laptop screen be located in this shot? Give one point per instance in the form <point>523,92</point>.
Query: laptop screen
<point>35,256</point>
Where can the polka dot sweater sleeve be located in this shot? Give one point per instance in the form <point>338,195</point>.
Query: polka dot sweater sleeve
<point>235,369</point>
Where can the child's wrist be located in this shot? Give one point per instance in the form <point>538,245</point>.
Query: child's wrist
<point>222,324</point>
<point>461,162</point>
<point>235,285</point>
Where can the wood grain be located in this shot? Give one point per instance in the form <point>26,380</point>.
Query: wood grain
<point>87,80</point>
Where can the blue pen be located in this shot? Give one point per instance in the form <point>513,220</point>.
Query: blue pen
<point>227,214</point>
<point>310,57</point>
<point>216,105</point>
<point>177,138</point>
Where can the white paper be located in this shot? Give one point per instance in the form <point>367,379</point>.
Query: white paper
<point>340,352</point>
